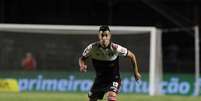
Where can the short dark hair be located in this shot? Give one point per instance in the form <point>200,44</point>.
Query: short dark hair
<point>104,28</point>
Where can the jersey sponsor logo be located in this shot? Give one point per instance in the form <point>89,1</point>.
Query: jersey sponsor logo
<point>103,53</point>
<point>97,54</point>
<point>110,53</point>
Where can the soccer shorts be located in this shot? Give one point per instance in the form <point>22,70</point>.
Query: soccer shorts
<point>100,87</point>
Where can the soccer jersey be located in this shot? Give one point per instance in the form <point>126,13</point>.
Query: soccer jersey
<point>110,53</point>
<point>105,60</point>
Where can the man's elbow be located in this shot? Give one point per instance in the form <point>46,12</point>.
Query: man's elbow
<point>130,55</point>
<point>82,58</point>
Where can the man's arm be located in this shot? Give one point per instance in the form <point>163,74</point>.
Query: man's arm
<point>84,57</point>
<point>82,64</point>
<point>132,57</point>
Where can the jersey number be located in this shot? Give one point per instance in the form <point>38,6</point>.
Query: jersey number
<point>115,84</point>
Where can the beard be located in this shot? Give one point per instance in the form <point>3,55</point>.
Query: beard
<point>105,43</point>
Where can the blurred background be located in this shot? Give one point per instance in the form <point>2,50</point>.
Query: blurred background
<point>36,56</point>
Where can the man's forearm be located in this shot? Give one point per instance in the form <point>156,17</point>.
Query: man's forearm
<point>82,60</point>
<point>133,61</point>
<point>135,65</point>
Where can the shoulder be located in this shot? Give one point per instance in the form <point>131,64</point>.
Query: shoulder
<point>119,48</point>
<point>116,46</point>
<point>93,45</point>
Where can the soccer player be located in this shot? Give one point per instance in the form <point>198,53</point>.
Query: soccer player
<point>105,58</point>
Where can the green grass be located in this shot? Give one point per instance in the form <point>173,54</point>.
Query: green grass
<point>35,96</point>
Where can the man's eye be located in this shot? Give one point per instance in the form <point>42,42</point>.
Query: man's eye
<point>104,35</point>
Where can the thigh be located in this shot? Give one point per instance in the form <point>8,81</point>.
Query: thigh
<point>98,89</point>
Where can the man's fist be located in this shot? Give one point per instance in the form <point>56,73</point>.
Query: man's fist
<point>137,76</point>
<point>83,68</point>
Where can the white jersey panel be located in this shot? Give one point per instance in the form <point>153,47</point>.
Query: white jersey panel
<point>122,51</point>
<point>95,51</point>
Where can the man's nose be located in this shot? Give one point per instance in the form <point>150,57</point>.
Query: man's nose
<point>104,38</point>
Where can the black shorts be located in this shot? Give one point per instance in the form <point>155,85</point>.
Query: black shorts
<point>100,87</point>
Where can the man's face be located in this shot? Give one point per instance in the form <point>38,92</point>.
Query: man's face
<point>104,38</point>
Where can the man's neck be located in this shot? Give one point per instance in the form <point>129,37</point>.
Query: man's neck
<point>104,47</point>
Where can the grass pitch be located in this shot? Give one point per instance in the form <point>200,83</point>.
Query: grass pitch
<point>36,96</point>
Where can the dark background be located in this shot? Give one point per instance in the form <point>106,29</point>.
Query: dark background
<point>161,13</point>
<point>175,17</point>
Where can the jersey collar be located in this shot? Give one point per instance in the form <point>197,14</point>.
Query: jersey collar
<point>99,45</point>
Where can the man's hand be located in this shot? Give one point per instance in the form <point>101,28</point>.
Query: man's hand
<point>137,76</point>
<point>83,68</point>
<point>82,64</point>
